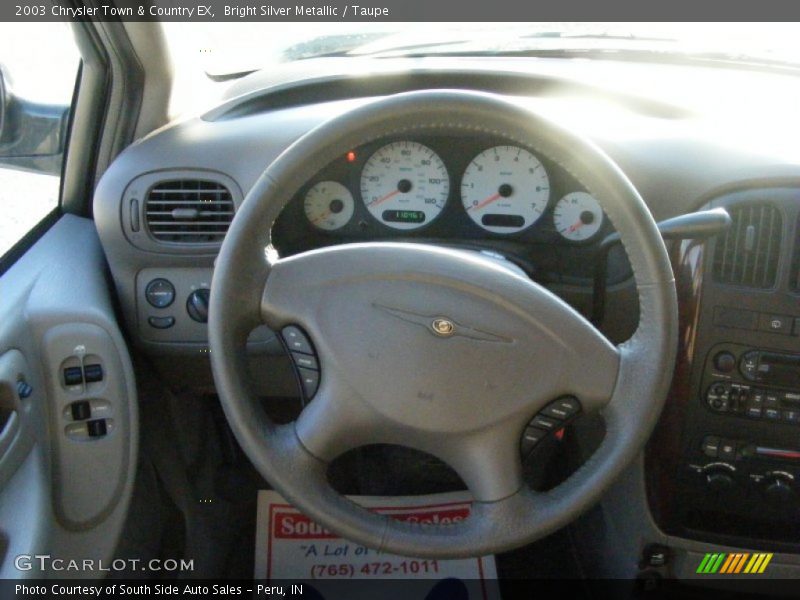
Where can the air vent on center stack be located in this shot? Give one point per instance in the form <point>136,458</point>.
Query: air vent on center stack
<point>748,253</point>
<point>188,211</point>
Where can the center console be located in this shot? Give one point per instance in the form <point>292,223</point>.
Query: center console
<point>724,464</point>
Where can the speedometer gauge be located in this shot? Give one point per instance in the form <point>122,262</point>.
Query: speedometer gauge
<point>578,216</point>
<point>405,185</point>
<point>328,205</point>
<point>505,189</point>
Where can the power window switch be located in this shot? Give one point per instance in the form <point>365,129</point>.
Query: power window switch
<point>81,410</point>
<point>73,376</point>
<point>93,373</point>
<point>96,428</point>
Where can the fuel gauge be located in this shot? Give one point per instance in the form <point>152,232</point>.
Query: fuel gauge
<point>329,205</point>
<point>578,216</point>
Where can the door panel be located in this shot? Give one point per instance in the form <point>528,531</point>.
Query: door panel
<point>16,437</point>
<point>67,450</point>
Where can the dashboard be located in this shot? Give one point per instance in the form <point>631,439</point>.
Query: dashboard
<point>677,133</point>
<point>460,190</point>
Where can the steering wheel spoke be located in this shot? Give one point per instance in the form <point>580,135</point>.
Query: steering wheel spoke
<point>488,462</point>
<point>336,421</point>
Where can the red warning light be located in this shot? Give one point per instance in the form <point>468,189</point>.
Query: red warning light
<point>351,156</point>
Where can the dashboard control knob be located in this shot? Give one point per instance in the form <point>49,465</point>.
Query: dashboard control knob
<point>779,488</point>
<point>719,479</point>
<point>160,293</point>
<point>197,305</point>
<point>724,362</point>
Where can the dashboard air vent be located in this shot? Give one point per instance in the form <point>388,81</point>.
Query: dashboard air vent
<point>189,211</point>
<point>748,253</point>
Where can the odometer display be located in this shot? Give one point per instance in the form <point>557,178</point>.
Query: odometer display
<point>404,185</point>
<point>403,216</point>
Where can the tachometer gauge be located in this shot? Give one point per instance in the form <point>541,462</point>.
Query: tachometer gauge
<point>405,185</point>
<point>329,205</point>
<point>578,216</point>
<point>505,189</point>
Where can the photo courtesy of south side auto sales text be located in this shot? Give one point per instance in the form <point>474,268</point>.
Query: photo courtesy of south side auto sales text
<point>204,11</point>
<point>158,589</point>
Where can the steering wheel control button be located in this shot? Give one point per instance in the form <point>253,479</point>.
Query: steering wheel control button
<point>73,376</point>
<point>562,409</point>
<point>297,340</point>
<point>81,410</point>
<point>96,428</point>
<point>161,322</point>
<point>160,293</point>
<point>197,305</point>
<point>530,438</point>
<point>310,381</point>
<point>305,361</point>
<point>551,419</point>
<point>545,423</point>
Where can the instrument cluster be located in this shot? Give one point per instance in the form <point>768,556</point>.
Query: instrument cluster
<point>462,187</point>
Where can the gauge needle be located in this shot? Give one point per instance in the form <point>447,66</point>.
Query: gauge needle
<point>321,218</point>
<point>384,198</point>
<point>483,203</point>
<point>575,226</point>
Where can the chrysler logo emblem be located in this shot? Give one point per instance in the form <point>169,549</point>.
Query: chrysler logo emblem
<point>443,327</point>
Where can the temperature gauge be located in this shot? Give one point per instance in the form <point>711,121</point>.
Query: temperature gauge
<point>578,216</point>
<point>329,205</point>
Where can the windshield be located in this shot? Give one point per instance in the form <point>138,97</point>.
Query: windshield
<point>221,51</point>
<point>225,48</point>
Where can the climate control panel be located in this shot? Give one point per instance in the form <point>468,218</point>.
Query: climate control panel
<point>740,469</point>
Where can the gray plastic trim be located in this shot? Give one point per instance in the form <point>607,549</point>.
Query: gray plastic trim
<point>57,293</point>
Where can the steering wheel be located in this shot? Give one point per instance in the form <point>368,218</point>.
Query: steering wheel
<point>436,349</point>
